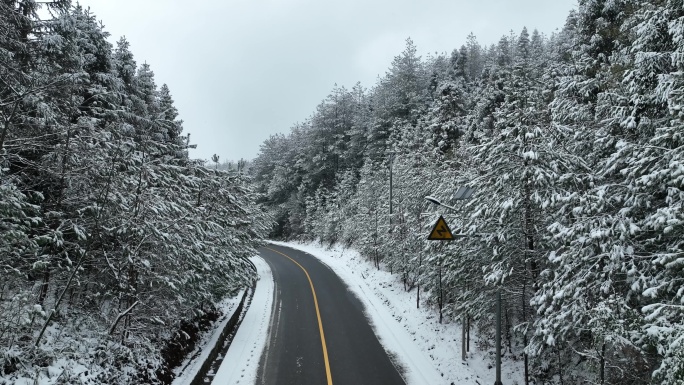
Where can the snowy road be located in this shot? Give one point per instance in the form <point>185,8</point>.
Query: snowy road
<point>428,351</point>
<point>282,323</point>
<point>306,332</point>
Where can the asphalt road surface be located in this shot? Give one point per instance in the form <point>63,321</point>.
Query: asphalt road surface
<point>322,338</point>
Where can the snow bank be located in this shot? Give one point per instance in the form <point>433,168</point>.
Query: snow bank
<point>241,362</point>
<point>189,369</point>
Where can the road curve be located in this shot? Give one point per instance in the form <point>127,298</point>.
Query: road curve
<point>300,335</point>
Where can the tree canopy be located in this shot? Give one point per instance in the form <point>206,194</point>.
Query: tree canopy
<point>111,237</point>
<point>572,143</point>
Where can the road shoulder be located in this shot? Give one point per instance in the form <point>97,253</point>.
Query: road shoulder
<point>241,363</point>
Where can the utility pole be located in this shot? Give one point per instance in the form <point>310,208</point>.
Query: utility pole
<point>391,160</point>
<point>498,336</point>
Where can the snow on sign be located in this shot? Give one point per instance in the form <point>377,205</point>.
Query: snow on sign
<point>441,231</point>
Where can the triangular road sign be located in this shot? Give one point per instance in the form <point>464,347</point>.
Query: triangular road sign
<point>441,231</point>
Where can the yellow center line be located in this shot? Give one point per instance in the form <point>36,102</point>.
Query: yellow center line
<point>318,314</point>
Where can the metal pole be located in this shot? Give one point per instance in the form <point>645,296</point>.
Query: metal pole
<point>498,337</point>
<point>390,197</point>
<point>420,262</point>
<point>463,337</point>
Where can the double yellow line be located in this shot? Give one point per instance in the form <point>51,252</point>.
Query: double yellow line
<point>318,314</point>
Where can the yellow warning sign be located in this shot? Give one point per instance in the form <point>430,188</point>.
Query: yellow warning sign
<point>441,231</point>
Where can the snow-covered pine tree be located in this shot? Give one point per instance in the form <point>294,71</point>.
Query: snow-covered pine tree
<point>589,305</point>
<point>648,161</point>
<point>516,165</point>
<point>109,246</point>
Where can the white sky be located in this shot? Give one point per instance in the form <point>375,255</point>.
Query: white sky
<point>242,70</point>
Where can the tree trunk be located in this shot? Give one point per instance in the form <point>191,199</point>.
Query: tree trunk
<point>440,300</point>
<point>420,262</point>
<point>524,316</point>
<point>3,134</point>
<point>61,296</point>
<point>560,366</point>
<point>44,287</point>
<point>121,315</point>
<point>468,335</point>
<point>603,364</point>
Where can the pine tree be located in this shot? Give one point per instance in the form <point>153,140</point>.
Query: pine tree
<point>591,282</point>
<point>109,234</point>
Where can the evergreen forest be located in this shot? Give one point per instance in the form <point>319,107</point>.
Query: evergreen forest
<point>573,143</point>
<point>115,246</point>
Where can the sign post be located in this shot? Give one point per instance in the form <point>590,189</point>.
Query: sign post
<point>439,232</point>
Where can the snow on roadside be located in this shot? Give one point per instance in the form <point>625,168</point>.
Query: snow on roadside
<point>430,352</point>
<point>186,372</point>
<point>241,362</point>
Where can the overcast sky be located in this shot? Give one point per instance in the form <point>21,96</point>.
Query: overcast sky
<point>242,70</point>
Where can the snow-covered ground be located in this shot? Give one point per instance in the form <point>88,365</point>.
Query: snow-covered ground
<point>430,352</point>
<point>241,362</point>
<point>248,331</point>
<point>188,370</point>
